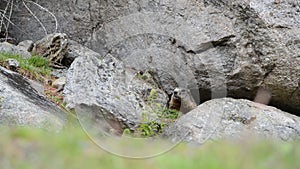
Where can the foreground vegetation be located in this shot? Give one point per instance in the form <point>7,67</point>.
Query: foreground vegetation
<point>25,148</point>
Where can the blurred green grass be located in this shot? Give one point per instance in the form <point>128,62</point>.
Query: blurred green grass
<point>28,148</point>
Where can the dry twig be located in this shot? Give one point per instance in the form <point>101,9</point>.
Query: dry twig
<point>7,12</point>
<point>45,9</point>
<point>42,25</point>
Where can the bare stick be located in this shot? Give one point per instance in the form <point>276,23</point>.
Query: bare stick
<point>10,22</point>
<point>3,14</point>
<point>42,25</point>
<point>9,16</point>
<point>45,9</point>
<point>15,6</point>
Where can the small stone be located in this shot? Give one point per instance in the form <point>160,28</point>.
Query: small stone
<point>26,45</point>
<point>48,82</point>
<point>58,73</point>
<point>60,82</point>
<point>12,64</point>
<point>6,47</point>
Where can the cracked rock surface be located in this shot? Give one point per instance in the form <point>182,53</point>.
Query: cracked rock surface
<point>22,105</point>
<point>216,48</point>
<point>234,119</point>
<point>105,90</point>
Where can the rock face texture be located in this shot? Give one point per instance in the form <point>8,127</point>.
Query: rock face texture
<point>59,50</point>
<point>234,119</point>
<point>9,48</point>
<point>22,105</point>
<point>216,48</point>
<point>112,91</point>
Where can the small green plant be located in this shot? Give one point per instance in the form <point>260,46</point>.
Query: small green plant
<point>155,118</point>
<point>56,99</point>
<point>151,128</point>
<point>38,61</point>
<point>169,114</point>
<point>142,76</point>
<point>146,130</point>
<point>126,132</point>
<point>1,100</point>
<point>147,76</point>
<point>153,95</point>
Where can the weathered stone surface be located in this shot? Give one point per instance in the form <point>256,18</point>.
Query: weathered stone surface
<point>10,48</point>
<point>58,73</point>
<point>107,85</point>
<point>75,50</point>
<point>60,50</point>
<point>26,45</point>
<point>22,105</point>
<point>59,82</point>
<point>228,118</point>
<point>220,47</point>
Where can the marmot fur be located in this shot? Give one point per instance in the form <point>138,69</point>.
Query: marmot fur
<point>182,100</point>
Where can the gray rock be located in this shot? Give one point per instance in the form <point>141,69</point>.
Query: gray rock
<point>39,87</point>
<point>10,48</point>
<point>58,73</point>
<point>60,50</point>
<point>27,45</point>
<point>106,85</point>
<point>22,105</point>
<point>75,50</point>
<point>216,47</point>
<point>12,64</point>
<point>233,119</point>
<point>59,82</point>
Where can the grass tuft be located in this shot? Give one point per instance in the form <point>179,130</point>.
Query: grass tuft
<point>33,67</point>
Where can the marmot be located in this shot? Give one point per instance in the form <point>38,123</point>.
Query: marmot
<point>182,100</point>
<point>263,96</point>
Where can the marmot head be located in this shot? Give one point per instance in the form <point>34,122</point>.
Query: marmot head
<point>180,93</point>
<point>182,100</point>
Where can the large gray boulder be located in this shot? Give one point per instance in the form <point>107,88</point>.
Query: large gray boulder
<point>215,47</point>
<point>22,105</point>
<point>104,89</point>
<point>233,119</point>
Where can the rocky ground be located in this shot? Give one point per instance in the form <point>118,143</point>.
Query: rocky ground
<point>116,65</point>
